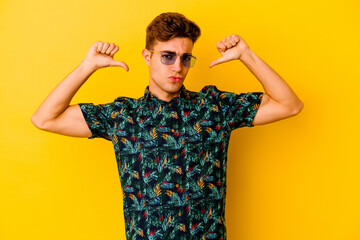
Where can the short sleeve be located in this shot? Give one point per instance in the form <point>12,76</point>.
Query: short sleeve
<point>239,109</point>
<point>100,119</point>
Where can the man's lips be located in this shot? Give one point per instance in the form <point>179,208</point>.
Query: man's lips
<point>175,79</point>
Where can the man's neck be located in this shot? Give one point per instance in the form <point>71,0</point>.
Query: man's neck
<point>162,95</point>
<point>166,97</point>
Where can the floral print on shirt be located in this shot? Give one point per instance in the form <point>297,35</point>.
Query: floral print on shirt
<point>171,158</point>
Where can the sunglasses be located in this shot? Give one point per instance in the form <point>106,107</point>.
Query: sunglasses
<point>168,58</point>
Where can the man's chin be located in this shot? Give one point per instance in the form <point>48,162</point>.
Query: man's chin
<point>174,87</point>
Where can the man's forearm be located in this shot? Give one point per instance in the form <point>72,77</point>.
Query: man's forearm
<point>272,83</point>
<point>59,99</point>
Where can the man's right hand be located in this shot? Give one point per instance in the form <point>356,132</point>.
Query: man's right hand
<point>55,114</point>
<point>101,55</point>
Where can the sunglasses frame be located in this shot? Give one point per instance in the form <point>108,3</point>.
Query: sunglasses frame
<point>181,57</point>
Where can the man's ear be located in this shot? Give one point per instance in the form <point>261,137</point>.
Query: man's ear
<point>146,55</point>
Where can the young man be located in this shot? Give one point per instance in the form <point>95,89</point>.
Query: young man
<point>170,144</point>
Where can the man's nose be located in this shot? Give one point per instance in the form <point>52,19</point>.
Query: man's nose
<point>177,66</point>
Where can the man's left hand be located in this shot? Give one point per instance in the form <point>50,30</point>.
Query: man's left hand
<point>231,48</point>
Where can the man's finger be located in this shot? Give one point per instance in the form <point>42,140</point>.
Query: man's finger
<point>232,40</point>
<point>99,46</point>
<point>221,47</point>
<point>236,37</point>
<point>227,43</point>
<point>105,47</point>
<point>120,64</point>
<point>114,51</point>
<point>111,47</point>
<point>217,61</point>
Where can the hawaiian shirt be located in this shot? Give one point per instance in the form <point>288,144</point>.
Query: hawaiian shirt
<point>171,158</point>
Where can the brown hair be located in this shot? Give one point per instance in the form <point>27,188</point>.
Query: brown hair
<point>170,25</point>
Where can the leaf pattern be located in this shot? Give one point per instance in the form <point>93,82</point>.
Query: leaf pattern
<point>172,158</point>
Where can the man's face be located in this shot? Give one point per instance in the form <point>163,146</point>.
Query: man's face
<point>166,80</point>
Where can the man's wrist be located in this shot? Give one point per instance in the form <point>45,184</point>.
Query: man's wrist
<point>88,66</point>
<point>247,55</point>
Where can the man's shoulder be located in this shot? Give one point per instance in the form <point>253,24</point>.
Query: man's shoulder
<point>125,100</point>
<point>206,89</point>
<point>209,91</point>
<point>117,104</point>
<point>209,88</point>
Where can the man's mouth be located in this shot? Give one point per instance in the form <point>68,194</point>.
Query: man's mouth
<point>175,79</point>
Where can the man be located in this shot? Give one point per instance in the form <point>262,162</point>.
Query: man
<point>170,144</point>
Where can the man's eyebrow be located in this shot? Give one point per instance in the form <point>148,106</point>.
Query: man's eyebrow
<point>167,51</point>
<point>173,51</point>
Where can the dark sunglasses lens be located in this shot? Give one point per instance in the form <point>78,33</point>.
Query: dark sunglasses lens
<point>168,58</point>
<point>187,60</point>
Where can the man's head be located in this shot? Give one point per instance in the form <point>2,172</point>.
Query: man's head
<point>170,25</point>
<point>170,32</point>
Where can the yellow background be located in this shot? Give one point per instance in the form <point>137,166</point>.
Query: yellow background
<point>293,179</point>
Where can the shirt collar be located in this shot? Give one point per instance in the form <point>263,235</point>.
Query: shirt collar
<point>148,95</point>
